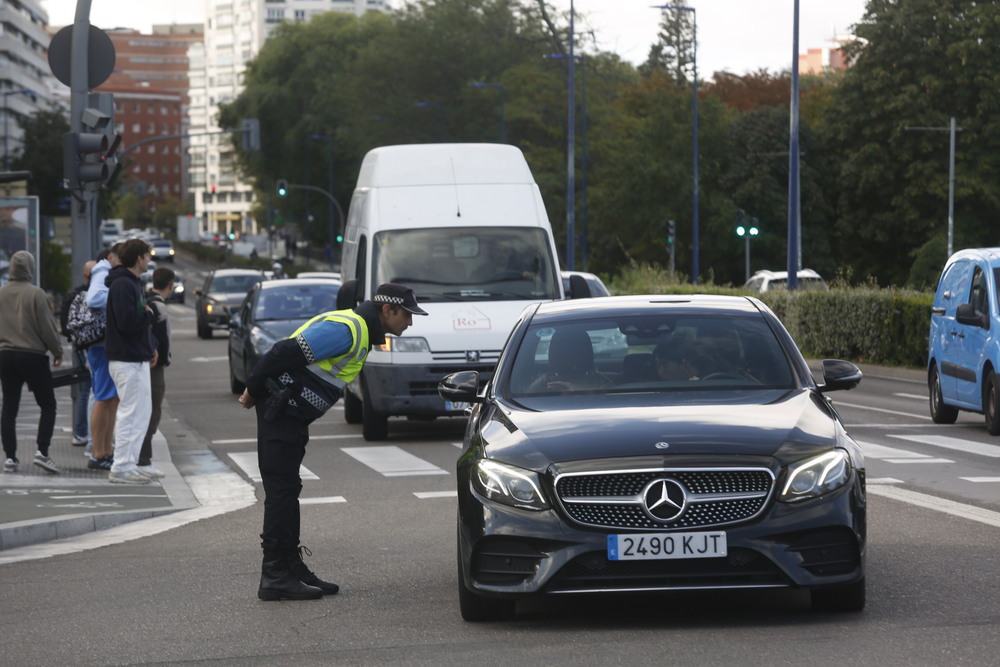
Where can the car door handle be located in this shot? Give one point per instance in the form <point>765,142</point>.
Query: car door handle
<point>955,333</point>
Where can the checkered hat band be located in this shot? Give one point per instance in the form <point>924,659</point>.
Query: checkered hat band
<point>385,298</point>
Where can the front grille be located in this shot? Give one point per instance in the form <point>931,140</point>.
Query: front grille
<point>826,552</point>
<point>594,572</point>
<point>714,496</point>
<point>503,562</point>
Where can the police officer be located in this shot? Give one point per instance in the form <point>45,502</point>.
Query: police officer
<point>298,380</point>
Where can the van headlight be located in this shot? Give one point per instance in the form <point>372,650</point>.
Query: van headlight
<point>405,344</point>
<point>814,477</point>
<point>509,485</point>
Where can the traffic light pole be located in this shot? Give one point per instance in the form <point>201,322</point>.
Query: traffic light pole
<point>83,209</point>
<point>313,188</point>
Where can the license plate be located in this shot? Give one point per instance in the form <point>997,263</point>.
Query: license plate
<point>658,546</point>
<point>455,405</point>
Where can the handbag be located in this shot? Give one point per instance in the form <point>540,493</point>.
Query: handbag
<point>62,377</point>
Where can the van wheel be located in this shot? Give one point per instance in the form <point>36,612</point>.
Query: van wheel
<point>940,413</point>
<point>353,408</point>
<point>374,425</point>
<point>991,405</point>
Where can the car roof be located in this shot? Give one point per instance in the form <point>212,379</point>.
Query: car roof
<point>297,282</point>
<point>990,255</point>
<point>614,306</point>
<point>229,270</point>
<point>801,273</point>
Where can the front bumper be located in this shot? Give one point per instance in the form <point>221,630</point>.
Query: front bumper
<point>506,552</point>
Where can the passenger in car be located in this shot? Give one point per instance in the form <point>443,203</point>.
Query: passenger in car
<point>571,365</point>
<point>678,361</point>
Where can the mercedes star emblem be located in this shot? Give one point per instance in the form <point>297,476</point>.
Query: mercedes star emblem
<point>664,500</point>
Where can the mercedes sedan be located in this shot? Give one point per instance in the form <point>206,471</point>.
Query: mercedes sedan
<point>656,443</point>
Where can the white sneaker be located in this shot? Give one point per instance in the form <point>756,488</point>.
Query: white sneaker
<point>10,465</point>
<point>151,471</point>
<point>128,477</point>
<point>45,463</point>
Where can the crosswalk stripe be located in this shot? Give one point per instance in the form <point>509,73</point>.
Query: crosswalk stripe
<point>322,501</point>
<point>247,461</point>
<point>893,455</point>
<point>981,479</point>
<point>391,461</point>
<point>424,495</point>
<point>956,444</point>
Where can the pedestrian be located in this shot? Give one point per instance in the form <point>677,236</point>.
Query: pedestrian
<point>102,417</point>
<point>277,271</point>
<point>163,287</point>
<point>27,333</point>
<point>80,392</point>
<point>130,349</point>
<point>292,385</point>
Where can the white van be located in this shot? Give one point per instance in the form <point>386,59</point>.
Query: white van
<point>464,226</point>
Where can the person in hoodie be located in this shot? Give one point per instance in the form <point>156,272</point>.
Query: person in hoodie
<point>28,332</point>
<point>130,348</point>
<point>102,417</point>
<point>163,287</point>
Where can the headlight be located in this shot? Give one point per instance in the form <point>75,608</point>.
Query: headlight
<point>405,344</point>
<point>261,342</point>
<point>816,476</point>
<point>510,486</point>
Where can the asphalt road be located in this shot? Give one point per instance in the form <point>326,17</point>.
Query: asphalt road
<point>379,518</point>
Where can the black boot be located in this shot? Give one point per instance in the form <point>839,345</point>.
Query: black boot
<point>277,582</point>
<point>298,568</point>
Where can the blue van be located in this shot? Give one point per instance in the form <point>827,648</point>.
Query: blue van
<point>964,344</point>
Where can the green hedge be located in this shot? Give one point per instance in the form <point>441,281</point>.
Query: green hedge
<point>869,324</point>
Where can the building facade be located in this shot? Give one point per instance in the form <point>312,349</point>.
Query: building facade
<point>235,31</point>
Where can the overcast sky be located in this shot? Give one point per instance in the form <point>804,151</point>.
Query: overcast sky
<point>734,35</point>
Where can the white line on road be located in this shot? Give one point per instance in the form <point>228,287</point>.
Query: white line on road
<point>926,501</point>
<point>206,359</point>
<point>322,501</point>
<point>891,412</point>
<point>247,461</point>
<point>915,396</point>
<point>240,441</point>
<point>424,495</point>
<point>883,480</point>
<point>391,461</point>
<point>981,479</point>
<point>956,444</point>
<point>893,455</point>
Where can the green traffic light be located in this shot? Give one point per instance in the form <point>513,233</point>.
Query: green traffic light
<point>340,238</point>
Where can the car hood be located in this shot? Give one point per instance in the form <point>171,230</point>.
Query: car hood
<point>789,425</point>
<point>228,299</point>
<point>278,329</point>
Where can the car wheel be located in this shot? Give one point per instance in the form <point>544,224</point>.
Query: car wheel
<point>353,408</point>
<point>235,385</point>
<point>374,425</point>
<point>204,331</point>
<point>476,608</point>
<point>991,404</point>
<point>940,413</point>
<point>850,597</point>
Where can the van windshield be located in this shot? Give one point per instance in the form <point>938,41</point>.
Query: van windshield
<point>468,263</point>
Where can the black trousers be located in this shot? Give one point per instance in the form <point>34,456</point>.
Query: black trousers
<point>17,369</point>
<point>281,446</point>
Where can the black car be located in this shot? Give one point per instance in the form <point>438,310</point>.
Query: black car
<point>271,311</point>
<point>656,443</point>
<point>223,291</point>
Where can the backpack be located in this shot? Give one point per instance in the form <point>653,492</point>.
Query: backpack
<point>86,325</point>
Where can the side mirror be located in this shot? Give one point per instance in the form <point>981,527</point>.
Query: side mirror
<point>460,387</point>
<point>839,375</point>
<point>347,295</point>
<point>235,321</point>
<point>966,314</point>
<point>578,288</point>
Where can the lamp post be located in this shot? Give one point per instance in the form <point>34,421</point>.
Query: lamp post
<point>503,95</point>
<point>694,133</point>
<point>440,107</point>
<point>6,94</point>
<point>952,128</point>
<point>746,233</point>
<point>794,262</point>
<point>329,183</point>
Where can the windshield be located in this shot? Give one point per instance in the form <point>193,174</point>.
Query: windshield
<point>468,263</point>
<point>650,353</point>
<point>235,283</point>
<point>292,303</point>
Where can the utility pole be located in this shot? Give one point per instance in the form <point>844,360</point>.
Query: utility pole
<point>951,177</point>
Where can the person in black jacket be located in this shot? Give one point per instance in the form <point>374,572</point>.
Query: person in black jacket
<point>79,392</point>
<point>163,287</point>
<point>130,348</point>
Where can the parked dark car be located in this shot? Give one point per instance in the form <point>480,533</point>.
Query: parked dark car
<point>223,291</point>
<point>271,311</point>
<point>656,443</point>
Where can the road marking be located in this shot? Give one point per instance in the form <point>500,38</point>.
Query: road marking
<point>884,480</point>
<point>241,441</point>
<point>247,461</point>
<point>202,360</point>
<point>424,495</point>
<point>915,396</point>
<point>981,479</point>
<point>893,455</point>
<point>956,444</point>
<point>391,461</point>
<point>937,504</point>
<point>322,501</point>
<point>891,412</point>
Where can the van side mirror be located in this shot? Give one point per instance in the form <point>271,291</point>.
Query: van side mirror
<point>578,287</point>
<point>966,314</point>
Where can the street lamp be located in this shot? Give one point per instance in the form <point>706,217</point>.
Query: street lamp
<point>440,108</point>
<point>694,132</point>
<point>746,233</point>
<point>794,262</point>
<point>503,121</point>
<point>6,94</point>
<point>329,184</point>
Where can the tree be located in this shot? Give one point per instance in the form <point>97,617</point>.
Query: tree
<point>674,50</point>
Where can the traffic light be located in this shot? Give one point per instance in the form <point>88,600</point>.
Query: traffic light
<point>104,104</point>
<point>340,238</point>
<point>282,187</point>
<point>89,156</point>
<point>251,134</point>
<point>671,232</point>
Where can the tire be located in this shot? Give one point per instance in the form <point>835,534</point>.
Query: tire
<point>235,385</point>
<point>476,608</point>
<point>353,408</point>
<point>940,413</point>
<point>850,597</point>
<point>204,331</point>
<point>991,404</point>
<point>374,425</point>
